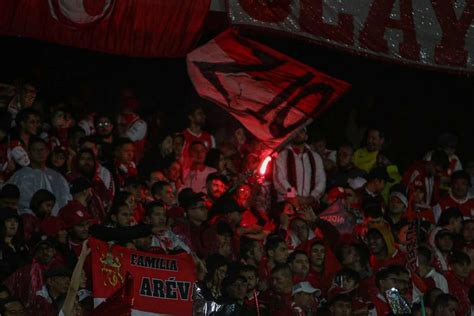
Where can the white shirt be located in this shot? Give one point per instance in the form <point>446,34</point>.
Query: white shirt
<point>303,176</point>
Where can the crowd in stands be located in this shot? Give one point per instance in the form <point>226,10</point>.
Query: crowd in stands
<point>322,232</point>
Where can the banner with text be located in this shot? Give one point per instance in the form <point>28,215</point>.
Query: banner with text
<point>431,33</point>
<point>163,284</point>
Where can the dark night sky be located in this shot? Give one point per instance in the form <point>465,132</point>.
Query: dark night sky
<point>414,105</point>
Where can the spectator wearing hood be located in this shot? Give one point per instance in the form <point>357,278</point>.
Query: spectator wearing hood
<point>323,265</point>
<point>37,176</point>
<point>383,250</point>
<point>429,173</point>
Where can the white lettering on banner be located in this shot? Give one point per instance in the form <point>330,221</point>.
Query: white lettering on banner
<point>80,12</point>
<point>431,33</point>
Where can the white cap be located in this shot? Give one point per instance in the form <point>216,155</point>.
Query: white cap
<point>356,183</point>
<point>306,288</point>
<point>401,196</point>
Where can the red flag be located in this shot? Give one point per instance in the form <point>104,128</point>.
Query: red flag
<point>270,93</point>
<point>120,303</point>
<point>143,28</point>
<point>162,284</point>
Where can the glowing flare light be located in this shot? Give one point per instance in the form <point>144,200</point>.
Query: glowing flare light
<point>264,165</point>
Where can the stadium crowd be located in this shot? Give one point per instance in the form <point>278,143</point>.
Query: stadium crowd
<point>321,232</point>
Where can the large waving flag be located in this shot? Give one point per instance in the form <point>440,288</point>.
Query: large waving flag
<point>144,28</point>
<point>270,93</point>
<point>162,284</point>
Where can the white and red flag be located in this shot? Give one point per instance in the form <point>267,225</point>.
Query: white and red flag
<point>270,93</point>
<point>143,28</point>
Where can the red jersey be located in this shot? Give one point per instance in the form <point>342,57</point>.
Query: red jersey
<point>398,258</point>
<point>189,138</point>
<point>432,185</point>
<point>460,290</point>
<point>466,206</point>
<point>381,305</point>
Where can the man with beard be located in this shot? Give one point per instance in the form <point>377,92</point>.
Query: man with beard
<point>105,129</point>
<point>216,185</point>
<point>91,142</point>
<point>86,166</point>
<point>250,274</point>
<point>365,158</point>
<point>299,265</point>
<point>299,172</point>
<point>81,191</point>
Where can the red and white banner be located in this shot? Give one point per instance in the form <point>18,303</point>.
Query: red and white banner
<point>431,33</point>
<point>162,284</point>
<point>143,28</point>
<point>270,93</point>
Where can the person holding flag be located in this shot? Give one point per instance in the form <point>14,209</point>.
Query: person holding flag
<point>299,172</point>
